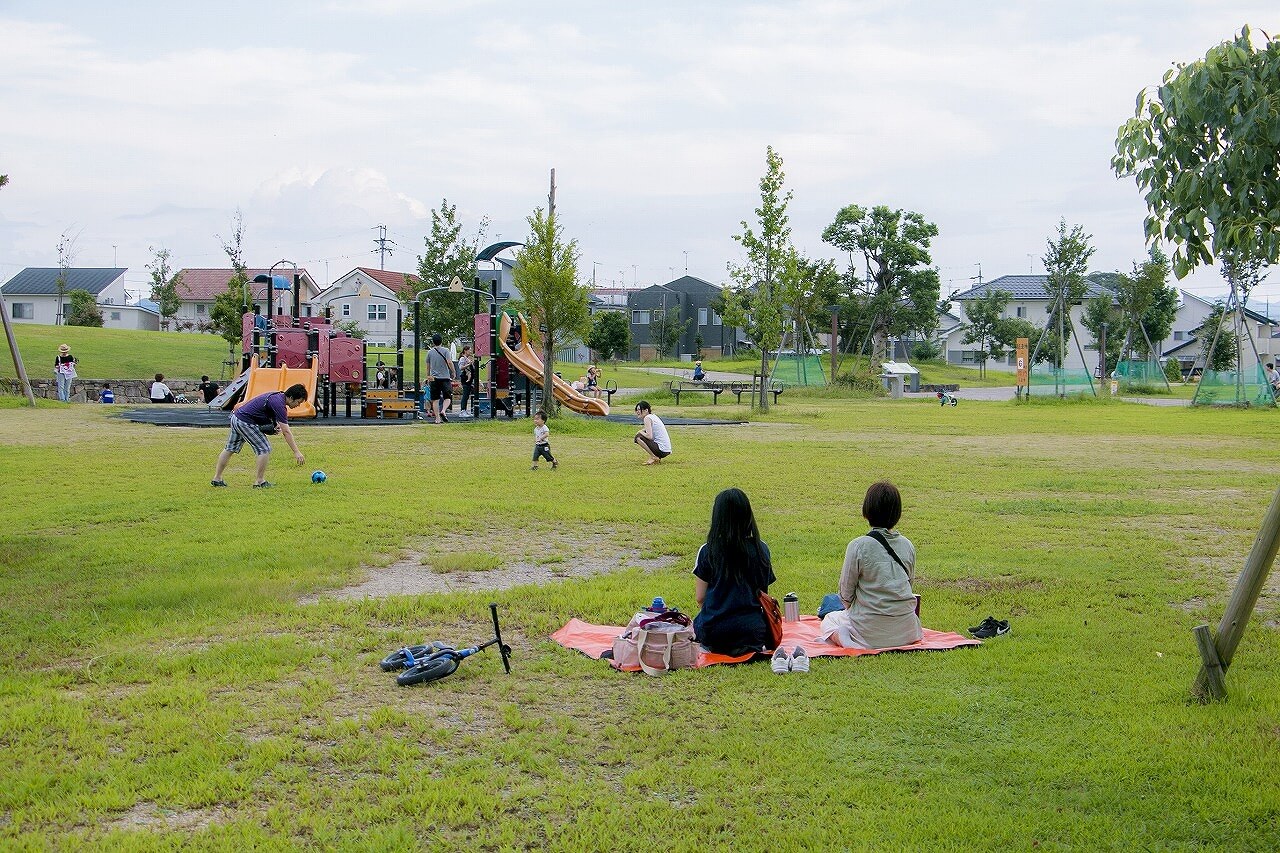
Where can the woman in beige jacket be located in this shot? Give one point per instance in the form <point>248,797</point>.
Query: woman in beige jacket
<point>875,582</point>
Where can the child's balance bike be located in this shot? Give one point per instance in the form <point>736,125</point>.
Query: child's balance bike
<point>433,661</point>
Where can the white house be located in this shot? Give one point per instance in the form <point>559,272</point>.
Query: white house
<point>369,297</point>
<point>1185,344</point>
<point>1029,301</point>
<point>31,296</point>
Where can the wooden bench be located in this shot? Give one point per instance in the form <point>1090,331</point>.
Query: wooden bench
<point>740,388</point>
<point>713,388</point>
<point>381,402</point>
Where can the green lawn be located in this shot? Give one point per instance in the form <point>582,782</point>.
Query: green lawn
<point>163,684</point>
<point>116,353</point>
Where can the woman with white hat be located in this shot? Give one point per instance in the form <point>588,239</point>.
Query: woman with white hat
<point>64,368</point>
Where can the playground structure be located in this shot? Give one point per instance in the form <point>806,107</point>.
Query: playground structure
<point>525,360</point>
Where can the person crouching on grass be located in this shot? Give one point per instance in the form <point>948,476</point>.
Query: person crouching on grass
<point>542,440</point>
<point>265,410</point>
<point>652,437</point>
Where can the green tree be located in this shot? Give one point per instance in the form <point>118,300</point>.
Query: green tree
<point>546,274</point>
<point>756,304</point>
<point>1202,148</point>
<point>446,254</point>
<point>164,286</point>
<point>1218,325</point>
<point>610,335</point>
<point>901,295</point>
<point>1066,261</point>
<point>83,309</point>
<point>984,314</point>
<point>665,330</point>
<point>230,305</point>
<point>1102,317</point>
<point>1147,304</point>
<point>66,257</point>
<point>351,327</point>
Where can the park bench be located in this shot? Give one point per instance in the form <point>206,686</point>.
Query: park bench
<point>753,390</point>
<point>715,389</point>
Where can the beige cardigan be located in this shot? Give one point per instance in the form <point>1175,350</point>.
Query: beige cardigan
<point>881,607</point>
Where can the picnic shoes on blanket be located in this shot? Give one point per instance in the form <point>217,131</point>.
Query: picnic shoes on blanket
<point>989,627</point>
<point>797,661</point>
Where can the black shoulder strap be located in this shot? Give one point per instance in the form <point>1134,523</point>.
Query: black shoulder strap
<point>879,537</point>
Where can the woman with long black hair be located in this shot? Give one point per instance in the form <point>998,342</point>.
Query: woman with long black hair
<point>732,569</point>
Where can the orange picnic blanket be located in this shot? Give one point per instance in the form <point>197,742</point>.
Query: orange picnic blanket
<point>594,640</point>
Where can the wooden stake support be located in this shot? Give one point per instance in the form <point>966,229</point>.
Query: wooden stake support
<point>1243,599</point>
<point>1214,684</point>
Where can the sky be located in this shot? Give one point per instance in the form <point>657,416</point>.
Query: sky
<point>131,127</point>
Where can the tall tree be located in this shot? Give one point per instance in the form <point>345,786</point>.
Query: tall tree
<point>164,285</point>
<point>66,257</point>
<point>756,303</point>
<point>546,274</point>
<point>1103,318</point>
<point>666,327</point>
<point>1147,304</point>
<point>1066,260</point>
<point>610,335</point>
<point>902,294</point>
<point>1203,149</point>
<point>1222,354</point>
<point>230,305</point>
<point>83,309</point>
<point>447,254</point>
<point>984,314</point>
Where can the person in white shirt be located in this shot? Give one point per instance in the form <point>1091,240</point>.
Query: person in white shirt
<point>1273,376</point>
<point>542,440</point>
<point>160,392</point>
<point>652,437</point>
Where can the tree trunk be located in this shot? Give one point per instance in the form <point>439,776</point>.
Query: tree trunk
<point>764,379</point>
<point>548,375</point>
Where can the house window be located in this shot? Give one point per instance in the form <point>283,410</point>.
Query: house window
<point>115,315</point>
<point>715,319</point>
<point>1022,311</point>
<point>200,308</point>
<point>1177,336</point>
<point>658,314</point>
<point>639,318</point>
<point>24,310</point>
<point>702,316</point>
<point>306,310</point>
<point>346,309</point>
<point>377,310</point>
<point>969,356</point>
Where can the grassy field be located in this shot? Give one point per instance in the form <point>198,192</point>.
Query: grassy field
<point>178,670</point>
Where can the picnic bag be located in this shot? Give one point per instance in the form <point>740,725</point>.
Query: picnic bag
<point>657,643</point>
<point>772,618</point>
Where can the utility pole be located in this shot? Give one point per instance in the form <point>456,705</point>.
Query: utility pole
<point>383,243</point>
<point>551,197</point>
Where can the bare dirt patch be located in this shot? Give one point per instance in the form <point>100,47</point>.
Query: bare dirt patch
<point>423,568</point>
<point>148,815</point>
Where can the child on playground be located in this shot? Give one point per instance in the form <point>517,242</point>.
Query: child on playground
<point>542,440</point>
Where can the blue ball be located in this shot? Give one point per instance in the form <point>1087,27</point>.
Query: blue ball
<point>318,477</point>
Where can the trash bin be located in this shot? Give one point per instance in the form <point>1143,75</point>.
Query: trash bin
<point>892,384</point>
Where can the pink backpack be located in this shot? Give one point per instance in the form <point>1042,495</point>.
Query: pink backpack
<point>656,643</point>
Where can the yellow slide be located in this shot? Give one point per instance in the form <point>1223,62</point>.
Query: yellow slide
<point>528,363</point>
<point>264,379</point>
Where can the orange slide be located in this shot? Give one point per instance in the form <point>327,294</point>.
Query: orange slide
<point>264,379</point>
<point>528,363</point>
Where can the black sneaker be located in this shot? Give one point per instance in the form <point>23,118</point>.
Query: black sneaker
<point>263,485</point>
<point>219,483</point>
<point>990,627</point>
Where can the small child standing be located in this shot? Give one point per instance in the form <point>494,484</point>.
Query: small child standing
<point>542,440</point>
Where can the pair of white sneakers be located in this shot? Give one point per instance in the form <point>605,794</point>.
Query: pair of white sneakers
<point>782,662</point>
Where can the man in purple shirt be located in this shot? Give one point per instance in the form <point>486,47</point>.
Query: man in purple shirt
<point>269,411</point>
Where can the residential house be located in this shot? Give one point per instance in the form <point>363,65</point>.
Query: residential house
<point>200,287</point>
<point>1030,301</point>
<point>372,298</point>
<point>1185,339</point>
<point>691,299</point>
<point>32,296</point>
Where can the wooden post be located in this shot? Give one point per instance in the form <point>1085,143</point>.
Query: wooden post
<point>1214,683</point>
<point>1245,595</point>
<point>17,356</point>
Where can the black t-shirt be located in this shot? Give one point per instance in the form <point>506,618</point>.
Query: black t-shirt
<point>731,621</point>
<point>209,389</point>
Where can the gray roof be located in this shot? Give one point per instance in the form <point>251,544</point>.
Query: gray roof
<point>1023,287</point>
<point>43,281</point>
<point>691,284</point>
